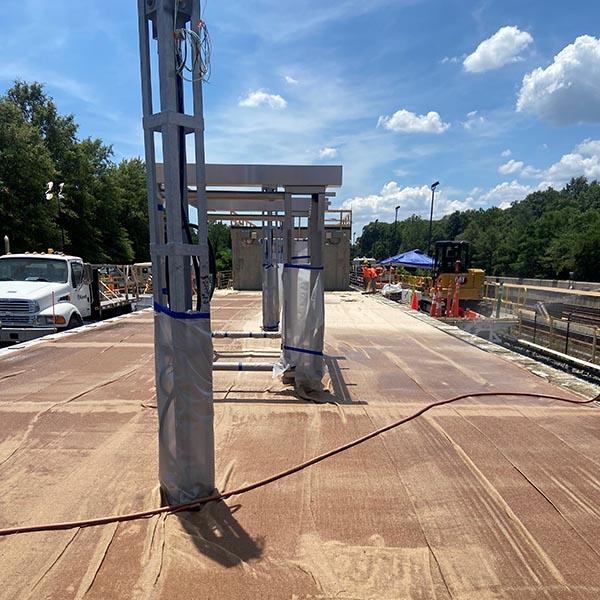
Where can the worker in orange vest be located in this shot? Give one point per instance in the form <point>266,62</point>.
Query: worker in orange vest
<point>372,276</point>
<point>366,275</point>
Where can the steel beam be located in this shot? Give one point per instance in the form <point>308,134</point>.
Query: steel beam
<point>271,176</point>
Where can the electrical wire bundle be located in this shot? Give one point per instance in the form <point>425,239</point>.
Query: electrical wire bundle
<point>192,50</point>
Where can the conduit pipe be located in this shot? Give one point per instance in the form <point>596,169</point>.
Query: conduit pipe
<point>240,366</point>
<point>246,334</point>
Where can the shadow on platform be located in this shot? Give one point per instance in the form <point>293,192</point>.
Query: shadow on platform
<point>336,391</point>
<point>217,534</point>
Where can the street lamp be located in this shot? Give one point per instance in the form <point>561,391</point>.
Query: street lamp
<point>59,197</point>
<point>433,186</point>
<point>395,227</point>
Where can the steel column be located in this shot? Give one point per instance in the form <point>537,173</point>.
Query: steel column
<point>183,345</point>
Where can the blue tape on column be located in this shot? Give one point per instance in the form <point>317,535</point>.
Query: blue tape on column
<point>159,308</point>
<point>302,350</point>
<point>309,267</point>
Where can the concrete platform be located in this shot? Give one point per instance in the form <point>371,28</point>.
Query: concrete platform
<point>495,498</point>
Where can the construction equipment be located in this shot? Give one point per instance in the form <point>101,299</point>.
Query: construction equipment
<point>453,265</point>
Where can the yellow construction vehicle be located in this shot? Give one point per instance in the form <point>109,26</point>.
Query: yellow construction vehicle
<point>452,263</point>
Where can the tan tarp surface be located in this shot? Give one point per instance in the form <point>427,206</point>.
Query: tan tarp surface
<point>495,498</point>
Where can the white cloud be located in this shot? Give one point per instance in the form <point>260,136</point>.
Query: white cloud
<point>518,166</point>
<point>473,120</point>
<point>404,121</point>
<point>291,80</point>
<point>450,59</point>
<point>409,199</point>
<point>589,147</point>
<point>583,160</point>
<point>502,48</point>
<point>328,152</point>
<point>260,97</point>
<point>512,166</point>
<point>506,153</point>
<point>505,193</point>
<point>530,171</point>
<point>571,165</point>
<point>567,91</point>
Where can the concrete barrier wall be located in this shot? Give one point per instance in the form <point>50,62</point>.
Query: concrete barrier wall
<point>246,250</point>
<point>553,283</point>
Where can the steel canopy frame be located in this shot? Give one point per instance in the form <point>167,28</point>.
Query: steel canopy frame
<point>269,176</point>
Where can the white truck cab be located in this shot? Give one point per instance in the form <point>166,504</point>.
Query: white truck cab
<point>42,293</point>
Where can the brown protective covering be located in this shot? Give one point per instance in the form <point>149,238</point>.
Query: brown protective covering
<point>482,499</point>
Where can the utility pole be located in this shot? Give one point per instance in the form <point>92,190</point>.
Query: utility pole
<point>433,186</point>
<point>395,250</point>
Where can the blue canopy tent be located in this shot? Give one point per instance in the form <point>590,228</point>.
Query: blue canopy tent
<point>417,259</point>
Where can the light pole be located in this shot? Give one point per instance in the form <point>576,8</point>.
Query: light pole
<point>433,186</point>
<point>59,197</point>
<point>395,227</point>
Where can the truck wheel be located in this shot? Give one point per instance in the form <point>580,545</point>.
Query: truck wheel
<point>74,321</point>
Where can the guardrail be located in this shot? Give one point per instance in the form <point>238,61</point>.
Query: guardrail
<point>411,281</point>
<point>561,334</point>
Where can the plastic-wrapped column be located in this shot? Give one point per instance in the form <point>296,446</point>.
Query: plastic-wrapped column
<point>184,398</point>
<point>270,288</point>
<point>303,326</point>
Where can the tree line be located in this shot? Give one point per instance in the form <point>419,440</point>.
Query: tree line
<point>549,234</point>
<point>103,211</point>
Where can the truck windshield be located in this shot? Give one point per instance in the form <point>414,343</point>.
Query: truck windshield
<point>33,269</point>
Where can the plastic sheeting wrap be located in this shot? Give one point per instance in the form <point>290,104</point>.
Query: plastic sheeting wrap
<point>301,254</point>
<point>184,354</point>
<point>303,326</point>
<point>270,284</point>
<point>270,298</point>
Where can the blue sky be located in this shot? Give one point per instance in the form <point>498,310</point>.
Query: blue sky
<point>493,99</point>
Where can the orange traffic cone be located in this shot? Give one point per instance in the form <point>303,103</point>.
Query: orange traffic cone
<point>449,301</point>
<point>456,300</point>
<point>434,299</point>
<point>414,303</point>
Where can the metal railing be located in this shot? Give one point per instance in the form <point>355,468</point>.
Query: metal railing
<point>564,335</point>
<point>119,282</point>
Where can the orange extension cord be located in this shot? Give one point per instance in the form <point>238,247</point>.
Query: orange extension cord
<point>295,469</point>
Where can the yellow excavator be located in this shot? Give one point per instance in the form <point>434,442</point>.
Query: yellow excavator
<point>452,261</point>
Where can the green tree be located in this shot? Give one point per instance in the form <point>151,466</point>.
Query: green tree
<point>548,234</point>
<point>25,167</point>
<point>104,209</point>
<point>219,235</point>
